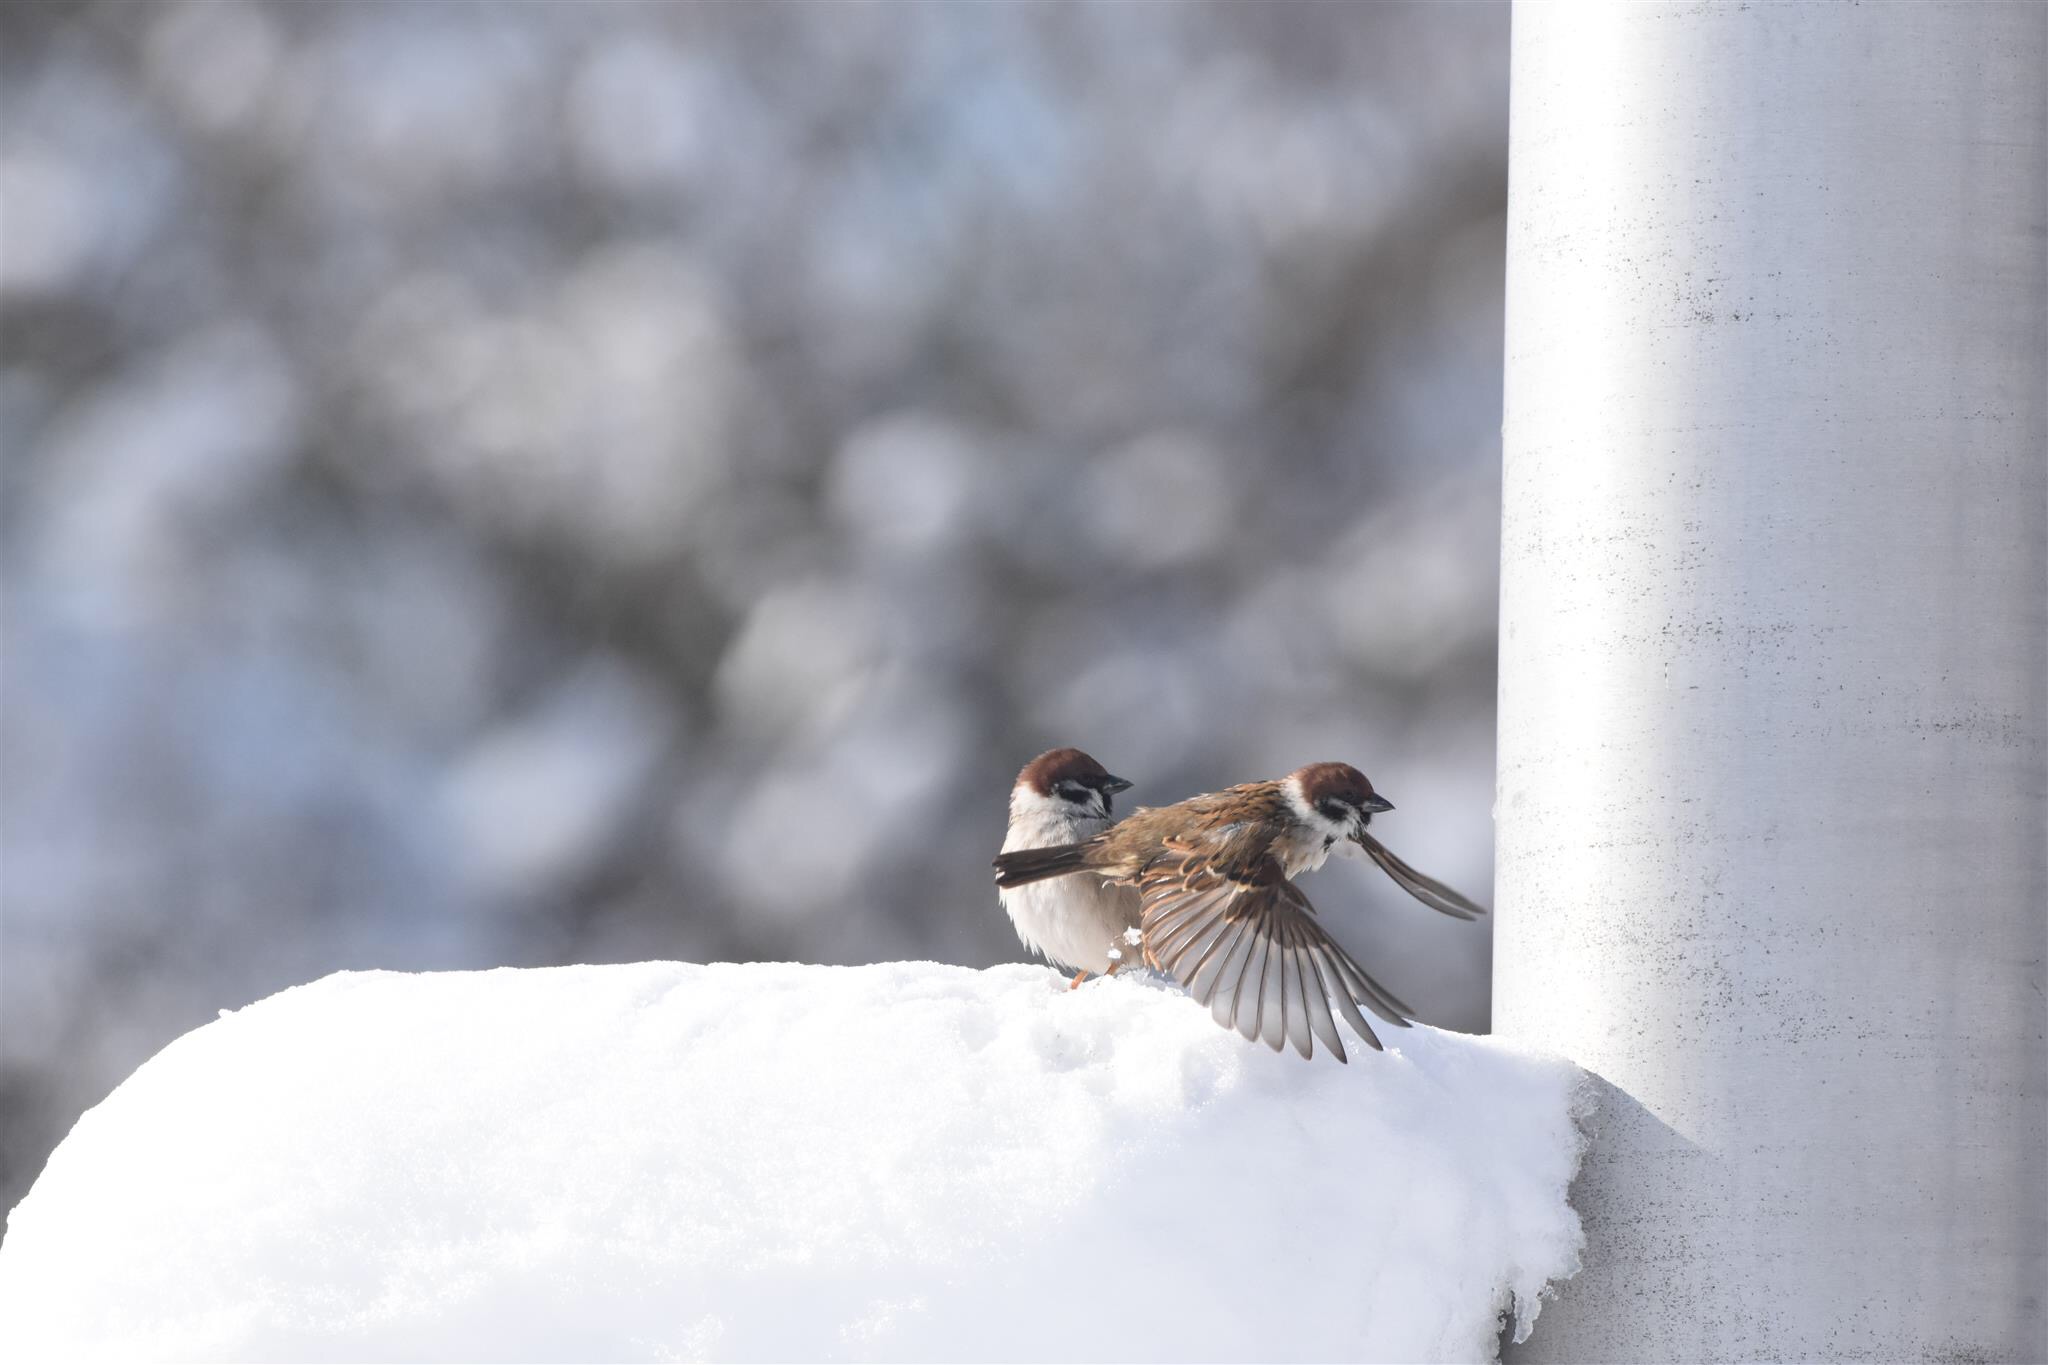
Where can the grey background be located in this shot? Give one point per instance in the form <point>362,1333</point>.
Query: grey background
<point>526,484</point>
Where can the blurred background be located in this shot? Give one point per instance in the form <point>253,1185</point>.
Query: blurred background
<point>533,483</point>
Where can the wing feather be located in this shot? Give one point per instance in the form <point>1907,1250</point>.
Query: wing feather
<point>1273,991</point>
<point>1339,992</point>
<point>1320,1021</point>
<point>1230,978</point>
<point>1166,935</point>
<point>1179,917</point>
<point>1369,992</point>
<point>1428,890</point>
<point>1201,979</point>
<point>1244,941</point>
<point>1186,950</point>
<point>1357,983</point>
<point>1251,986</point>
<point>1296,1015</point>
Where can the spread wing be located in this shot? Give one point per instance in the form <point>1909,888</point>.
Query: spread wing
<point>1244,941</point>
<point>1428,890</point>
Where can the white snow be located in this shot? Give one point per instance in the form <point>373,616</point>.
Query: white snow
<point>738,1162</point>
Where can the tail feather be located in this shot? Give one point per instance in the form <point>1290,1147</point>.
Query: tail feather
<point>1023,866</point>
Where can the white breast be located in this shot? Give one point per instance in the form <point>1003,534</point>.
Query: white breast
<point>1310,849</point>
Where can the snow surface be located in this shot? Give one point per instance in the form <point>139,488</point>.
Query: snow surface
<point>907,1161</point>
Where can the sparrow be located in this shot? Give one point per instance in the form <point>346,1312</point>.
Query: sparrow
<point>1219,910</point>
<point>1062,797</point>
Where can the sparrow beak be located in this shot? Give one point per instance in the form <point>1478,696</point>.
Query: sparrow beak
<point>1374,805</point>
<point>1112,785</point>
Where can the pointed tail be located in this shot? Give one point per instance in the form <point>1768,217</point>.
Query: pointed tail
<point>1023,866</point>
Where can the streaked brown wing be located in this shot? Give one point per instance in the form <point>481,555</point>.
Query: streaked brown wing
<point>1428,890</point>
<point>1244,941</point>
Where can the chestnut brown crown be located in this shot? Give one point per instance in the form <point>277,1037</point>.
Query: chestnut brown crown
<point>1339,791</point>
<point>1069,773</point>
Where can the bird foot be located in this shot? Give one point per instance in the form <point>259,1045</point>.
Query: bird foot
<point>1079,977</point>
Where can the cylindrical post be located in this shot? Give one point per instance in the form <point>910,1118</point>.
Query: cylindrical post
<point>1773,806</point>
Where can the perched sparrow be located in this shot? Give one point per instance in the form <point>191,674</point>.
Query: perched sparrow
<point>1221,913</point>
<point>1062,797</point>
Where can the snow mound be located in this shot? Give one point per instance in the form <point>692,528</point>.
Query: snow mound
<point>906,1161</point>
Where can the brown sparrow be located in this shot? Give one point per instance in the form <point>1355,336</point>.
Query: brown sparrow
<point>1063,797</point>
<point>1220,911</point>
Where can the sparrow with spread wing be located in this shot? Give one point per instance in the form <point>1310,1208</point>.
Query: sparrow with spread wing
<point>1220,912</point>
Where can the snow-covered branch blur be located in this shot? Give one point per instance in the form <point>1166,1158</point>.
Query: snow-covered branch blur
<point>477,477</point>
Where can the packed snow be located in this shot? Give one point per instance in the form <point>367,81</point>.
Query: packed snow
<point>906,1161</point>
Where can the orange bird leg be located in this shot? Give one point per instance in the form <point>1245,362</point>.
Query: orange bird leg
<point>1079,977</point>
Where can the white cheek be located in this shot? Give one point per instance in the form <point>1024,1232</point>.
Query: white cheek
<point>1026,802</point>
<point>1038,821</point>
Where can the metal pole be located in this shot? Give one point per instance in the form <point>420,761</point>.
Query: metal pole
<point>1773,797</point>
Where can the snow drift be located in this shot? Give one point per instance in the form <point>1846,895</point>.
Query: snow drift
<point>764,1161</point>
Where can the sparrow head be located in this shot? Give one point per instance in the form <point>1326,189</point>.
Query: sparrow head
<point>1335,796</point>
<point>1070,780</point>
